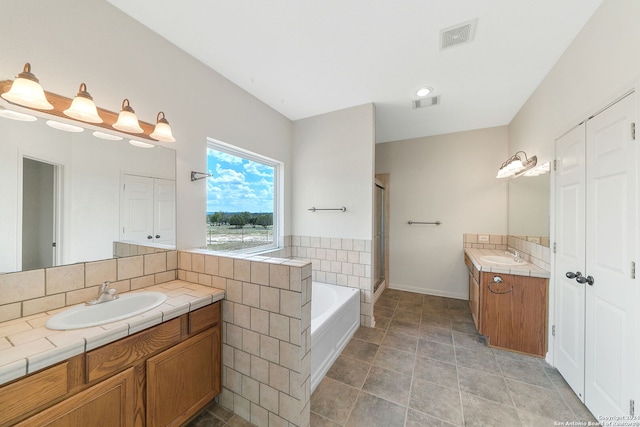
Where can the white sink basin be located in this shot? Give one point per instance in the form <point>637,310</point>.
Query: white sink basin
<point>502,260</point>
<point>84,316</point>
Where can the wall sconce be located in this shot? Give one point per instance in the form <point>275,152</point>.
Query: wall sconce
<point>26,91</point>
<point>83,108</point>
<point>162,132</point>
<point>127,120</point>
<point>515,166</point>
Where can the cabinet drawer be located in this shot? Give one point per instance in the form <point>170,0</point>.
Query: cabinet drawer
<point>33,392</point>
<point>203,318</point>
<point>114,357</point>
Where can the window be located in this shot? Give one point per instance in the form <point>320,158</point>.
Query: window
<point>242,199</point>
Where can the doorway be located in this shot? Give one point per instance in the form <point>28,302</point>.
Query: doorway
<point>39,214</point>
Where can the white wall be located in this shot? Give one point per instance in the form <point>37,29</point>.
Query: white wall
<point>74,41</point>
<point>333,167</point>
<point>601,64</point>
<point>450,178</point>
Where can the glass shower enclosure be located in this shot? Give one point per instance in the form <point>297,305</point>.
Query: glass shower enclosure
<point>379,237</point>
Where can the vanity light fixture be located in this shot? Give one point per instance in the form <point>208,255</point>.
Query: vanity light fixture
<point>424,91</point>
<point>25,95</point>
<point>83,108</point>
<point>516,166</point>
<point>162,131</point>
<point>26,91</point>
<point>127,120</point>
<point>14,115</point>
<point>538,170</point>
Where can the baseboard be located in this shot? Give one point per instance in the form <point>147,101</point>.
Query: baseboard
<point>436,292</point>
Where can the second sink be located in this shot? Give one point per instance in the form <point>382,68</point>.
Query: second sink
<point>502,260</point>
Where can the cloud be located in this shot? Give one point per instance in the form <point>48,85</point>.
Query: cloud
<point>238,185</point>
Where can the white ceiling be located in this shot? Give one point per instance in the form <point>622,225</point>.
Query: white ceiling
<point>305,58</point>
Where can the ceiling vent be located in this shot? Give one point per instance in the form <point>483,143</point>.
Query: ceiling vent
<point>426,102</point>
<point>458,34</point>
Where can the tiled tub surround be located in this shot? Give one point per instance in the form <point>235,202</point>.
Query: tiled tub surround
<point>531,252</point>
<point>38,291</point>
<point>26,345</point>
<point>266,354</point>
<point>344,262</point>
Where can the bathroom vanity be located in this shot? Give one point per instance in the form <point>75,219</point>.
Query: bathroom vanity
<point>508,303</point>
<point>162,375</point>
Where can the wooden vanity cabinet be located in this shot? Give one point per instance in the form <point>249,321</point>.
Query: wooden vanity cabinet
<point>108,403</point>
<point>511,312</point>
<point>474,292</point>
<point>514,312</point>
<point>160,376</point>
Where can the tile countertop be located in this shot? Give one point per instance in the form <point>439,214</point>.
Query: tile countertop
<point>26,345</point>
<point>520,270</point>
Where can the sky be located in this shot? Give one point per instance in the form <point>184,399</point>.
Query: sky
<point>237,184</point>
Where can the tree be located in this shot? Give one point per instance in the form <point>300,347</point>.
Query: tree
<point>216,218</point>
<point>265,220</point>
<point>237,220</point>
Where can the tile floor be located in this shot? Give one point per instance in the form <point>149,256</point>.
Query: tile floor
<point>215,415</point>
<point>425,365</point>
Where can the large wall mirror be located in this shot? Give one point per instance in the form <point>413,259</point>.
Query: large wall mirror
<point>67,197</point>
<point>529,208</point>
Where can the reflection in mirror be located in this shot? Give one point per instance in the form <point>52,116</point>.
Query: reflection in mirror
<point>64,198</point>
<point>529,208</point>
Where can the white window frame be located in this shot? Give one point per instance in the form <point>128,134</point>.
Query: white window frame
<point>278,189</point>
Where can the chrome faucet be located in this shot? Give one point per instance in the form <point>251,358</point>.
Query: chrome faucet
<point>105,294</point>
<point>515,253</point>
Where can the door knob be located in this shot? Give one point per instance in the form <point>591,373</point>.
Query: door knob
<point>572,275</point>
<point>157,236</point>
<point>149,236</point>
<point>588,280</point>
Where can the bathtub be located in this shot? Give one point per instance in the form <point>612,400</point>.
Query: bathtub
<point>335,317</point>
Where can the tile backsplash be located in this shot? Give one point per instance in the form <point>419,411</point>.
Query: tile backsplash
<point>36,291</point>
<point>531,251</point>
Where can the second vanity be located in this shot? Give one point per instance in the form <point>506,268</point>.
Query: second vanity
<point>157,368</point>
<point>508,301</point>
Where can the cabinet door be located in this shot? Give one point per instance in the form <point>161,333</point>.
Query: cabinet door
<point>110,403</point>
<point>515,312</point>
<point>183,379</point>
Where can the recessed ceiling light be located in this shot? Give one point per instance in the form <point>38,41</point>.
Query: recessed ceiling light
<point>64,126</point>
<point>140,144</point>
<point>14,115</point>
<point>424,91</point>
<point>107,136</point>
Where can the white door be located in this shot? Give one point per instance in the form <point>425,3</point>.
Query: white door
<point>611,245</point>
<point>164,211</point>
<point>137,209</point>
<point>570,257</point>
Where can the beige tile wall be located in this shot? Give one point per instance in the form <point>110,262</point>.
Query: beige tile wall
<point>344,262</point>
<point>266,352</point>
<point>36,291</point>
